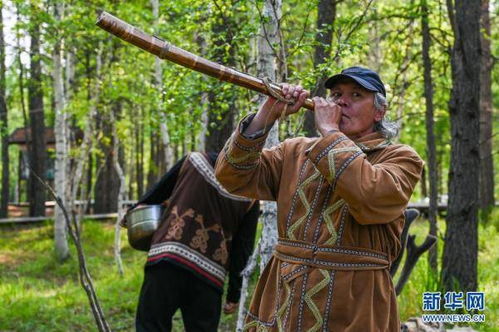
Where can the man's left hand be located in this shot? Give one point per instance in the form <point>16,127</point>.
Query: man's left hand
<point>327,115</point>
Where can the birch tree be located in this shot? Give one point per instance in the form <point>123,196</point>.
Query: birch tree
<point>61,132</point>
<point>269,36</point>
<point>121,197</point>
<point>158,81</point>
<point>85,147</point>
<point>201,139</point>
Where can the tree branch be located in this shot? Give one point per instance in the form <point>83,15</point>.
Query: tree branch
<point>85,278</point>
<point>410,216</point>
<point>357,24</point>
<point>413,254</point>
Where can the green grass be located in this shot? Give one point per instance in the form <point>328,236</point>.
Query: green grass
<point>39,294</point>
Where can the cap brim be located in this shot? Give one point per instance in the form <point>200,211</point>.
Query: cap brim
<point>341,77</point>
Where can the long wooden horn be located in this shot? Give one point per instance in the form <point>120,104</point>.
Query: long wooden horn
<point>165,50</point>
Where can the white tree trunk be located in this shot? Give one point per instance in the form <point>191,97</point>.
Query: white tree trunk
<point>269,37</point>
<point>201,139</point>
<point>61,132</point>
<point>267,67</point>
<point>86,145</point>
<point>69,79</point>
<point>158,80</point>
<point>121,197</point>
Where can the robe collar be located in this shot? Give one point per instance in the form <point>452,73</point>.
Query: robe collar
<point>372,142</point>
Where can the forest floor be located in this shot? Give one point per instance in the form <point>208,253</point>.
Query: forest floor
<point>39,294</point>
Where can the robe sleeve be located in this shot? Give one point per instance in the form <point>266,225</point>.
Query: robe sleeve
<point>244,168</point>
<point>375,193</point>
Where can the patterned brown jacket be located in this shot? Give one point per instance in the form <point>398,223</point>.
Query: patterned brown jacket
<point>340,217</point>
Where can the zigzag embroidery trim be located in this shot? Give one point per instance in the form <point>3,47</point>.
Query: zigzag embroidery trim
<point>204,167</point>
<point>251,155</point>
<point>328,301</point>
<point>282,310</point>
<point>329,222</point>
<point>256,322</point>
<point>189,254</point>
<point>311,304</point>
<point>305,202</point>
<point>332,161</point>
<point>347,162</point>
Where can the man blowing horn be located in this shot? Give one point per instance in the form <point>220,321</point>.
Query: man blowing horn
<point>341,200</point>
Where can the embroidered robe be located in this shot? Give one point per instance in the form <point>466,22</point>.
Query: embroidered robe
<point>340,218</point>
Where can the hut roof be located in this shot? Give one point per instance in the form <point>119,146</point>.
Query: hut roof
<point>22,136</point>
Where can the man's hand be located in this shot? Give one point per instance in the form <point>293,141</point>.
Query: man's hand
<point>123,220</point>
<point>272,109</point>
<point>230,307</point>
<point>327,115</point>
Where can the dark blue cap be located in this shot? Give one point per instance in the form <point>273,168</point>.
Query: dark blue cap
<point>366,78</point>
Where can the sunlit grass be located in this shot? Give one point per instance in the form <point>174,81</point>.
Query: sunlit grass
<point>39,294</point>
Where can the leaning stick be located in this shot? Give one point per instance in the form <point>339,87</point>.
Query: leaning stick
<point>165,50</point>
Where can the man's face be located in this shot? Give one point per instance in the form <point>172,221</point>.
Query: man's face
<point>357,108</point>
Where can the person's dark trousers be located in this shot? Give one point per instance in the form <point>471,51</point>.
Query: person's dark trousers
<point>167,288</point>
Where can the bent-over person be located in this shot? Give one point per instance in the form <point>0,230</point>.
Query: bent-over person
<point>205,233</point>
<point>341,200</point>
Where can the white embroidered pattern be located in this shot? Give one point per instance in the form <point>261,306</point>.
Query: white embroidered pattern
<point>189,254</point>
<point>204,167</point>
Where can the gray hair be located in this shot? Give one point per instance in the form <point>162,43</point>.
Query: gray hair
<point>387,128</point>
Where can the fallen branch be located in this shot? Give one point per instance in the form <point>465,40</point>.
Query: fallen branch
<point>410,216</point>
<point>85,279</point>
<point>413,254</point>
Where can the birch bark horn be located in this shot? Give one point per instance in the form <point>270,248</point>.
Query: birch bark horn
<point>165,50</point>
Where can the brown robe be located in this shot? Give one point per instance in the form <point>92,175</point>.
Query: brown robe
<point>340,217</point>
